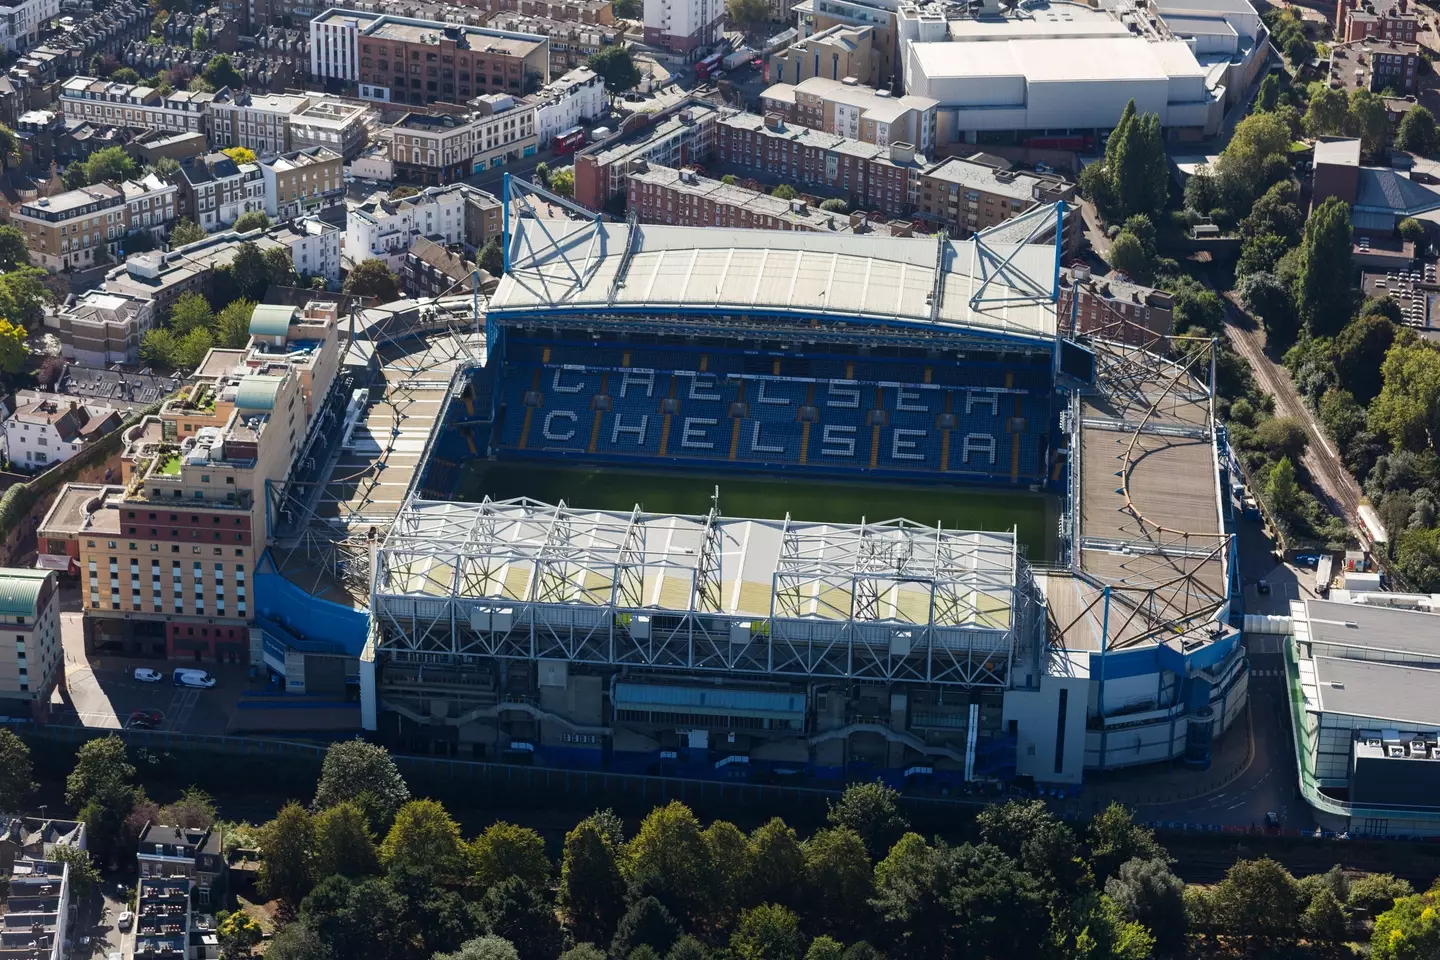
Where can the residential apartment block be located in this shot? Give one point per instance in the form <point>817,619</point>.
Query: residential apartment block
<point>32,661</point>
<point>568,102</point>
<point>39,906</point>
<point>684,198</point>
<point>215,190</point>
<point>167,559</point>
<point>403,60</point>
<point>70,230</point>
<point>22,22</point>
<point>847,108</point>
<point>314,247</point>
<point>965,196</point>
<point>103,102</point>
<point>1115,309</point>
<point>431,269</point>
<point>101,328</point>
<point>872,178</point>
<point>303,181</point>
<point>838,52</point>
<point>151,205</point>
<point>571,41</point>
<point>51,429</point>
<point>1386,19</point>
<point>434,149</point>
<point>385,228</point>
<point>259,122</point>
<point>684,134</point>
<point>188,853</point>
<point>683,26</point>
<point>333,124</point>
<point>1376,65</point>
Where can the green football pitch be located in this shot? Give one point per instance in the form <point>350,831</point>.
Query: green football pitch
<point>1033,515</point>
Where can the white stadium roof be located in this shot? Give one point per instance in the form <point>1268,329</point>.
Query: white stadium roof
<point>570,266</point>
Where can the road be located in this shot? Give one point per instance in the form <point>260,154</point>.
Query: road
<point>1321,459</point>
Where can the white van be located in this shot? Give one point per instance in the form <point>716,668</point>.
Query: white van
<point>192,678</point>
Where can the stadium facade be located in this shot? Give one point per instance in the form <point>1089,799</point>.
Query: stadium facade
<point>706,645</point>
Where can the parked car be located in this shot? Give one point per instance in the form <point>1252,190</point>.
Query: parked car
<point>1309,560</point>
<point>145,720</point>
<point>126,919</point>
<point>185,677</point>
<point>146,675</point>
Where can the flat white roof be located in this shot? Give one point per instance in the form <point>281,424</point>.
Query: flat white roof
<point>1017,28</point>
<point>1072,60</point>
<point>582,266</point>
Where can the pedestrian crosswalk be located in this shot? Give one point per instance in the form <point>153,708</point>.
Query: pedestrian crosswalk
<point>1267,673</point>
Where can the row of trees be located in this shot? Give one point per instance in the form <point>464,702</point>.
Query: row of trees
<point>1135,175</point>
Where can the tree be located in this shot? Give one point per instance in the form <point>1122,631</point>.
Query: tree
<point>286,847</point>
<point>1258,899</point>
<point>404,192</point>
<point>13,251</point>
<point>1341,416</point>
<point>15,772</point>
<point>729,179</point>
<point>1264,296</point>
<point>492,258</point>
<point>615,65</point>
<point>424,836</point>
<point>23,295</point>
<point>238,934</point>
<point>592,891</point>
<point>1256,157</point>
<point>1277,213</point>
<point>1406,408</point>
<point>768,932</point>
<point>1417,133</point>
<point>1368,119</point>
<point>562,182</point>
<point>1147,892</point>
<point>729,850</point>
<point>1409,930</point>
<point>372,278</point>
<point>1283,436</point>
<point>646,923</point>
<point>1281,489</point>
<point>200,39</point>
<point>504,851</point>
<point>1269,93</point>
<point>1374,893</point>
<point>1135,164</point>
<point>280,268</point>
<point>297,941</point>
<point>629,9</point>
<point>191,311</point>
<point>109,165</point>
<point>1412,230</point>
<point>518,912</point>
<point>1324,919</point>
<point>190,349</point>
<point>1115,838</point>
<point>158,348</point>
<point>825,947</point>
<point>873,812</point>
<point>344,844</point>
<point>250,272</point>
<point>221,72</point>
<point>364,773</point>
<point>583,951</point>
<point>9,147</point>
<point>488,947</point>
<point>186,231</point>
<point>747,14</point>
<point>255,219</point>
<point>1325,267</point>
<point>668,859</point>
<point>245,155</point>
<point>834,205</point>
<point>777,865</point>
<point>232,325</point>
<point>1196,306</point>
<point>83,876</point>
<point>1127,255</point>
<point>840,881</point>
<point>195,810</point>
<point>98,764</point>
<point>541,174</point>
<point>784,192</point>
<point>1326,115</point>
<point>1359,353</point>
<point>12,347</point>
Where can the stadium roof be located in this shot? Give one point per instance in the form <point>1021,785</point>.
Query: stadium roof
<point>1001,288</point>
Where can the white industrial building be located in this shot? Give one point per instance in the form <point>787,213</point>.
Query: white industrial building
<point>1367,722</point>
<point>1060,86</point>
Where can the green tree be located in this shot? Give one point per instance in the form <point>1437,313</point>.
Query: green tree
<point>647,923</point>
<point>747,14</point>
<point>238,934</point>
<point>492,258</point>
<point>12,347</point>
<point>158,348</point>
<point>768,932</point>
<point>221,72</point>
<point>297,941</point>
<point>1341,416</point>
<point>9,147</point>
<point>372,279</point>
<point>255,219</point>
<point>840,881</point>
<point>344,843</point>
<point>1383,306</point>
<point>1324,919</point>
<point>1409,930</point>
<point>23,295</point>
<point>489,947</point>
<point>1374,893</point>
<point>1266,298</point>
<point>1127,254</point>
<point>825,947</point>
<point>1360,351</point>
<point>1277,212</point>
<point>232,324</point>
<point>834,205</point>
<point>186,231</point>
<point>504,851</point>
<point>629,9</point>
<point>583,951</point>
<point>424,836</point>
<point>98,764</point>
<point>287,846</point>
<point>1135,163</point>
<point>13,251</point>
<point>1328,111</point>
<point>1417,133</point>
<point>1269,93</point>
<point>729,851</point>
<point>250,272</point>
<point>1115,838</point>
<point>615,65</point>
<point>784,192</point>
<point>84,877</point>
<point>280,268</point>
<point>1408,407</point>
<point>1412,230</point>
<point>1368,119</point>
<point>1147,892</point>
<point>110,165</point>
<point>190,349</point>
<point>1283,436</point>
<point>1281,489</point>
<point>592,890</point>
<point>15,772</point>
<point>200,39</point>
<point>363,773</point>
<point>669,860</point>
<point>872,810</point>
<point>195,810</point>
<point>1259,900</point>
<point>517,911</point>
<point>1323,292</point>
<point>1256,157</point>
<point>687,947</point>
<point>190,311</point>
<point>777,865</point>
<point>541,174</point>
<point>562,182</point>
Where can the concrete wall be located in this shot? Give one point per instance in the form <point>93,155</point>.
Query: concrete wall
<point>1036,716</point>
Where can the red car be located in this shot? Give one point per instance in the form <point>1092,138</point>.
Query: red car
<point>145,720</point>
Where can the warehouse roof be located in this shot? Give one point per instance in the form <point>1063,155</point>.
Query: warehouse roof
<point>1380,691</point>
<point>1362,625</point>
<point>1059,60</point>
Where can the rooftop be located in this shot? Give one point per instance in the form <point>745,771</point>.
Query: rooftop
<point>1342,152</point>
<point>1373,627</point>
<point>877,104</point>
<point>1059,61</point>
<point>670,123</point>
<point>410,30</point>
<point>20,590</point>
<point>71,200</point>
<point>1378,691</point>
<point>299,159</point>
<point>832,142</point>
<point>1018,185</point>
<point>758,203</point>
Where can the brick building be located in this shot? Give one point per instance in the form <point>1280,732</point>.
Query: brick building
<point>850,109</point>
<point>1376,65</point>
<point>1386,19</point>
<point>684,198</point>
<point>686,133</point>
<point>968,195</point>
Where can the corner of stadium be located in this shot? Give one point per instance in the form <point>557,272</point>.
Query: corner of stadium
<point>742,504</point>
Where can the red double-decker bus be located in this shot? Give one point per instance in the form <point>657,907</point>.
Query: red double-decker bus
<point>569,141</point>
<point>709,65</point>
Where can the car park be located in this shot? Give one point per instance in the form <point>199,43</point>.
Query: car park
<point>146,675</point>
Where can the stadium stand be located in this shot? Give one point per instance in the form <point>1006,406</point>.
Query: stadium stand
<point>976,420</point>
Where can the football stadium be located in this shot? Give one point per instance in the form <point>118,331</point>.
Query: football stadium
<point>720,503</point>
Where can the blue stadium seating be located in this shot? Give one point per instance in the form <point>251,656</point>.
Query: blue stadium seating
<point>669,402</point>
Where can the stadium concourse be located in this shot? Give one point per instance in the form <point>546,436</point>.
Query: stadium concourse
<point>708,645</point>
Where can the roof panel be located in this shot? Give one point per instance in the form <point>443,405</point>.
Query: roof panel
<point>271,320</point>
